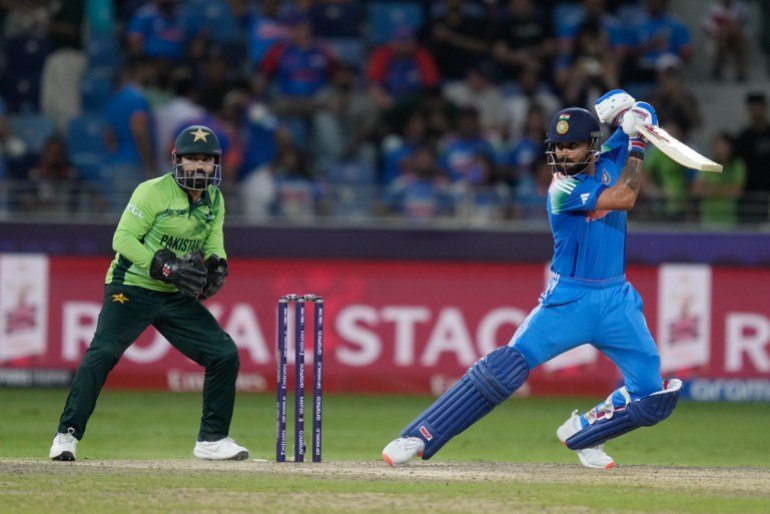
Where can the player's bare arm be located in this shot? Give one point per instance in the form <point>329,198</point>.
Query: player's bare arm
<point>622,196</point>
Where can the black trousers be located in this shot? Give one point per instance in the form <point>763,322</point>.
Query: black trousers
<point>126,312</point>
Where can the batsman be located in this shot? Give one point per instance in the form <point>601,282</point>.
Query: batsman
<point>169,256</point>
<point>587,300</point>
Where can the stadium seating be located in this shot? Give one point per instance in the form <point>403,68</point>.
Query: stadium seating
<point>85,144</point>
<point>33,129</point>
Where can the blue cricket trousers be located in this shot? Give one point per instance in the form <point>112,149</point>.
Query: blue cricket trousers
<point>606,314</point>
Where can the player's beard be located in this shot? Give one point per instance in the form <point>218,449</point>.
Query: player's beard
<point>569,167</point>
<point>196,180</point>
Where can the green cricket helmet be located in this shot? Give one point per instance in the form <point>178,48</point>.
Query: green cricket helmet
<point>197,140</point>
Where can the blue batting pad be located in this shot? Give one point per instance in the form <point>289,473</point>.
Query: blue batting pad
<point>641,413</point>
<point>485,385</point>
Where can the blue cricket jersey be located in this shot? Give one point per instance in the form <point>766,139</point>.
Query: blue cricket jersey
<point>589,244</point>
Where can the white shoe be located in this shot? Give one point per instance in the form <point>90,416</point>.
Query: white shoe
<point>224,449</point>
<point>63,447</point>
<point>400,451</point>
<point>593,457</point>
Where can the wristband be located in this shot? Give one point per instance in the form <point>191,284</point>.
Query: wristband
<point>637,147</point>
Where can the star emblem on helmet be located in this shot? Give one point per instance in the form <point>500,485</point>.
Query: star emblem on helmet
<point>200,135</point>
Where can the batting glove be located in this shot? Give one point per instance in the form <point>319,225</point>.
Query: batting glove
<point>641,113</point>
<point>611,106</point>
<point>187,274</point>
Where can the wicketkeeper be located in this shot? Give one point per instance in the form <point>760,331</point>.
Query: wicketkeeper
<point>170,256</point>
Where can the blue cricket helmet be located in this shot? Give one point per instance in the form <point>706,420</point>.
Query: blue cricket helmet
<point>573,124</point>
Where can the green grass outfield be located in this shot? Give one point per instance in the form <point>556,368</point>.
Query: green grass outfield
<point>137,455</point>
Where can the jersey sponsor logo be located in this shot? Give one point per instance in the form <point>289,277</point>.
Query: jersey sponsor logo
<point>135,211</point>
<point>174,212</point>
<point>180,244</point>
<point>119,298</point>
<point>584,197</point>
<point>606,178</point>
<point>596,215</point>
<point>425,433</point>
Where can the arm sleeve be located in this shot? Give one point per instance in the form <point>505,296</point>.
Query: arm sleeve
<point>133,226</point>
<point>615,149</point>
<point>572,195</point>
<point>215,243</point>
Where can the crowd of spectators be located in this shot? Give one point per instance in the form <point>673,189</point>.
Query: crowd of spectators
<point>355,108</point>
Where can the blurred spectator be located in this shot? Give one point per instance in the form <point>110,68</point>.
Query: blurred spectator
<point>440,115</point>
<point>129,135</point>
<point>530,91</point>
<point>530,196</point>
<point>667,183</point>
<point>301,68</point>
<point>267,27</point>
<point>295,186</point>
<point>523,39</point>
<point>458,157</point>
<point>592,17</point>
<point>479,92</point>
<point>338,23</point>
<point>593,69</point>
<point>344,121</point>
<point>292,73</point>
<point>25,18</point>
<point>214,77</point>
<point>258,187</point>
<point>421,191</point>
<point>673,100</point>
<point>224,23</point>
<point>23,51</point>
<point>484,201</point>
<point>753,146</point>
<point>231,120</point>
<point>726,26</point>
<point>400,70</point>
<point>661,34</point>
<point>519,163</point>
<point>764,36</point>
<point>176,114</point>
<point>6,138</point>
<point>396,149</point>
<point>54,183</point>
<point>457,39</point>
<point>719,192</point>
<point>260,128</point>
<point>160,30</point>
<point>60,92</point>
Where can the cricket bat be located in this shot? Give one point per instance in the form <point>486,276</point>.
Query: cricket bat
<point>677,150</point>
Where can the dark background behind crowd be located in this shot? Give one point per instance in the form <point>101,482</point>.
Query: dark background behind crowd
<point>373,110</point>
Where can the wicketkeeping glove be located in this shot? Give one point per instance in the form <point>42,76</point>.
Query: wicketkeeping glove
<point>217,271</point>
<point>611,106</point>
<point>187,274</point>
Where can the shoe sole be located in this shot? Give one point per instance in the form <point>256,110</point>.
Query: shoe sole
<point>64,456</point>
<point>611,465</point>
<point>387,460</point>
<point>238,456</point>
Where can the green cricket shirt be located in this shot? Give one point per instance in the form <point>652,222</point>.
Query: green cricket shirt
<point>159,215</point>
